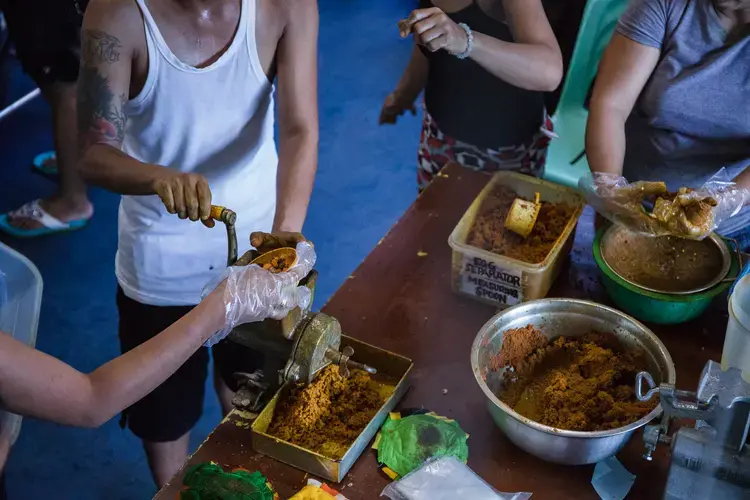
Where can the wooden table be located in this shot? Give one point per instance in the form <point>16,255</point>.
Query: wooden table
<point>402,301</point>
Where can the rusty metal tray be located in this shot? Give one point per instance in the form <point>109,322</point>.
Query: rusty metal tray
<point>392,368</point>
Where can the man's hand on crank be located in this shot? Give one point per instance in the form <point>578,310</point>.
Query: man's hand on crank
<point>186,195</point>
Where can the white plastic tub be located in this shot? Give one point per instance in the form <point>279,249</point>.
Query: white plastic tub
<point>736,352</point>
<point>20,301</point>
<point>501,281</point>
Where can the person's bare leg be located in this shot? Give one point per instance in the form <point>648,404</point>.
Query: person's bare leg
<point>165,459</point>
<point>70,202</point>
<point>224,393</point>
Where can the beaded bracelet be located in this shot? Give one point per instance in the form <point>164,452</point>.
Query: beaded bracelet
<point>469,42</point>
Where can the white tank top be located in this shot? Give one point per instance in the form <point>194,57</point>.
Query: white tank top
<point>216,121</point>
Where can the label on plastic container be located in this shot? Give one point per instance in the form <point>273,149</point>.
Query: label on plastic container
<point>487,281</point>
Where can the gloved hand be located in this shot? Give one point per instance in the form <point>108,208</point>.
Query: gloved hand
<point>686,213</point>
<point>622,202</point>
<point>253,294</point>
<point>689,213</point>
<point>695,213</point>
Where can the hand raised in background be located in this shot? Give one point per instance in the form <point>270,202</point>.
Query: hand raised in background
<point>434,30</point>
<point>394,106</point>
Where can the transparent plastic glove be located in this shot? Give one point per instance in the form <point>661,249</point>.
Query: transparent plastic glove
<point>689,213</point>
<point>695,213</point>
<point>622,202</point>
<point>252,293</point>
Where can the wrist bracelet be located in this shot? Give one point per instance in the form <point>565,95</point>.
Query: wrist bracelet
<point>469,41</point>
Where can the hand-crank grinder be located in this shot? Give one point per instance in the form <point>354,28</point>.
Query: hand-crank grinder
<point>710,460</point>
<point>295,348</point>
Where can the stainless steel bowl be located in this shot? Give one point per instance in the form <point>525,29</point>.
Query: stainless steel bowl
<point>569,318</point>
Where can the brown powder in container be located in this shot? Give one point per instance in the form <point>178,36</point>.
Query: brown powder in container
<point>517,344</point>
<point>327,415</point>
<point>576,383</point>
<point>488,231</point>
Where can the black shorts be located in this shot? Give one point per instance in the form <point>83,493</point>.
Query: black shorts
<point>174,407</point>
<point>47,37</point>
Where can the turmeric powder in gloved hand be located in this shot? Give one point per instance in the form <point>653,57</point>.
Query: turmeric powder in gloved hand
<point>688,213</point>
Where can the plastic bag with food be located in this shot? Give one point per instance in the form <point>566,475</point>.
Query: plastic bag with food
<point>445,478</point>
<point>649,208</point>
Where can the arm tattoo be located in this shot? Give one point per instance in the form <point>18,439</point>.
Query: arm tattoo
<point>100,47</point>
<point>100,115</point>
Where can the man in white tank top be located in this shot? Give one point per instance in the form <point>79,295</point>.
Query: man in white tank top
<point>176,111</point>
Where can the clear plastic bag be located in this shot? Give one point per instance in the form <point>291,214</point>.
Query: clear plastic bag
<point>445,478</point>
<point>252,293</point>
<point>689,213</point>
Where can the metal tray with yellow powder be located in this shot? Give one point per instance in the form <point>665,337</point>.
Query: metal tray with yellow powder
<point>393,375</point>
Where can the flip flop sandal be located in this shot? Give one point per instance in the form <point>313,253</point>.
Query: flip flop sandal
<point>33,210</point>
<point>45,164</point>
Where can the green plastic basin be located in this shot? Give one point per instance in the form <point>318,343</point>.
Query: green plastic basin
<point>653,307</point>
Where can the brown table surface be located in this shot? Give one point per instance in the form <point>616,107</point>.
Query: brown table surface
<point>400,301</point>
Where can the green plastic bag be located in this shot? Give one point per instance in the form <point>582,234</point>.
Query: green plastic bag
<point>406,443</point>
<point>208,481</point>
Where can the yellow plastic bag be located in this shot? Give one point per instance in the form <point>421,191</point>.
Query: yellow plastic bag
<point>311,492</point>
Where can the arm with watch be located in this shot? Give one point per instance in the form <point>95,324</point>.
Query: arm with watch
<point>532,61</point>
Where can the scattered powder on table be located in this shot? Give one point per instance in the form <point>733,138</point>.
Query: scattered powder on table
<point>575,383</point>
<point>327,415</point>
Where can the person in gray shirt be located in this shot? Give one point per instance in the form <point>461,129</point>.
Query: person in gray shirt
<point>672,97</point>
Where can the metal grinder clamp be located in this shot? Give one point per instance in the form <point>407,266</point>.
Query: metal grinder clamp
<point>294,349</point>
<point>712,459</point>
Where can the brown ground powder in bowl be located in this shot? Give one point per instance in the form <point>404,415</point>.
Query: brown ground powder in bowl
<point>581,384</point>
<point>517,344</point>
<point>327,415</point>
<point>489,233</point>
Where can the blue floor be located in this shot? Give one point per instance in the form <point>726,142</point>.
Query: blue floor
<point>366,179</point>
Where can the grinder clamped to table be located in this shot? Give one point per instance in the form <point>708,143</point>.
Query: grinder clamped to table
<point>295,348</point>
<point>712,459</point>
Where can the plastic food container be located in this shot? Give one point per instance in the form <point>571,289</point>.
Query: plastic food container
<point>502,281</point>
<point>20,300</point>
<point>736,352</point>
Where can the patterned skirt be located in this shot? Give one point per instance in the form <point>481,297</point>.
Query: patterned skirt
<point>437,149</point>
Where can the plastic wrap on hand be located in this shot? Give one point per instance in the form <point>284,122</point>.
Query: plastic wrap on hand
<point>690,213</point>
<point>730,198</point>
<point>445,478</point>
<point>252,293</point>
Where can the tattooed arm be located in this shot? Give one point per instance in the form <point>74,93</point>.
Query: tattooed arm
<point>298,114</point>
<point>111,40</point>
<point>107,52</point>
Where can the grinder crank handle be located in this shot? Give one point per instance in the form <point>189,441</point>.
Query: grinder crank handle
<point>343,360</point>
<point>228,217</point>
<point>675,403</point>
